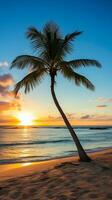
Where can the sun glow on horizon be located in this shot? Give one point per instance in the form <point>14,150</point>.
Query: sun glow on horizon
<point>26,119</point>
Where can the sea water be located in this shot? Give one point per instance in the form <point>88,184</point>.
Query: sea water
<point>32,144</point>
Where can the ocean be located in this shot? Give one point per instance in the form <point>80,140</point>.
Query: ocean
<point>32,144</point>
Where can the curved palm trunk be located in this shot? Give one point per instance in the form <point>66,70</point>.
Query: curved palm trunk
<point>82,154</point>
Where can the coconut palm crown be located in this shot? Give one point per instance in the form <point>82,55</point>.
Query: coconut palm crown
<point>52,48</point>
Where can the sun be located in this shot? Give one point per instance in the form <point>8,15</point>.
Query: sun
<point>25,118</point>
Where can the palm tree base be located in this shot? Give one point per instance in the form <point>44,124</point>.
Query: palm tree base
<point>87,159</point>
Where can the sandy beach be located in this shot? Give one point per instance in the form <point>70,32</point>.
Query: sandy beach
<point>59,179</point>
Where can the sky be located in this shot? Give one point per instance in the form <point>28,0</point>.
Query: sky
<point>82,106</point>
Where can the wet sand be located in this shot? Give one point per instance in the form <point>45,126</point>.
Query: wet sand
<point>60,179</point>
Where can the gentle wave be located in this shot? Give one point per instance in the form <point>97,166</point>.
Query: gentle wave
<point>41,143</point>
<point>35,142</point>
<point>46,142</point>
<point>24,159</point>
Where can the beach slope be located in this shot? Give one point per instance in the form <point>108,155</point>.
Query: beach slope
<point>60,179</point>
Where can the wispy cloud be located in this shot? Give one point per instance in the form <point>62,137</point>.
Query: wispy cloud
<point>101,106</point>
<point>57,118</point>
<point>110,100</point>
<point>104,100</point>
<point>85,117</point>
<point>97,117</point>
<point>4,63</point>
<point>78,119</point>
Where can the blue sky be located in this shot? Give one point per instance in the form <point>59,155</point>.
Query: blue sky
<point>92,17</point>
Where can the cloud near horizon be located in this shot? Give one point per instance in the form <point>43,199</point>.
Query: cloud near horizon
<point>101,106</point>
<point>9,120</point>
<point>58,118</point>
<point>7,106</point>
<point>86,117</point>
<point>77,120</point>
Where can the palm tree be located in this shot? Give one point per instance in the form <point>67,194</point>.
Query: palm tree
<point>52,48</point>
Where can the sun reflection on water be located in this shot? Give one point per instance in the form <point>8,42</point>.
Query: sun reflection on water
<point>26,164</point>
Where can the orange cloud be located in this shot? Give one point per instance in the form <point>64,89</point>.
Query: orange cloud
<point>6,106</point>
<point>9,121</point>
<point>6,80</point>
<point>9,105</point>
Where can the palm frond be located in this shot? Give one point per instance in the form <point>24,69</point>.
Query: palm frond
<point>52,28</point>
<point>52,47</point>
<point>36,37</point>
<point>79,79</point>
<point>30,81</point>
<point>52,42</point>
<point>70,37</point>
<point>65,46</point>
<point>80,62</point>
<point>24,61</point>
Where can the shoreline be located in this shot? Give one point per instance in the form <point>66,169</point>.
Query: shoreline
<point>88,151</point>
<point>8,171</point>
